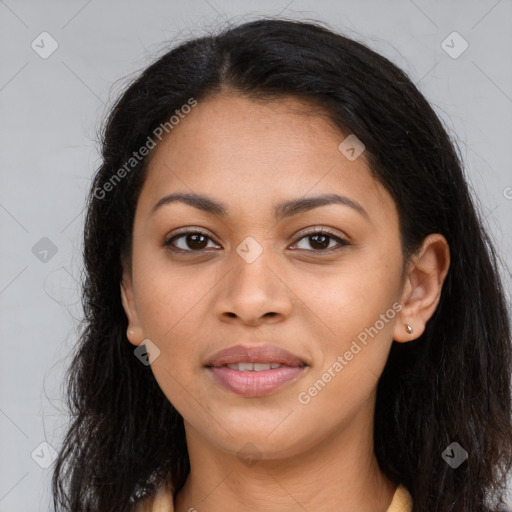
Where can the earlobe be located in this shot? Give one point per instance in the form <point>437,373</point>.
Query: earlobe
<point>134,331</point>
<point>422,290</point>
<point>407,336</point>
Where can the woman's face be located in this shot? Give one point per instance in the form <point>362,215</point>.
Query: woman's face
<point>256,277</point>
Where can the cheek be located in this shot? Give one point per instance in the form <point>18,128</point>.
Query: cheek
<point>354,297</point>
<point>168,296</point>
<point>359,307</point>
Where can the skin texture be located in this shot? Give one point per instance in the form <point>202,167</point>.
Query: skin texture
<point>250,155</point>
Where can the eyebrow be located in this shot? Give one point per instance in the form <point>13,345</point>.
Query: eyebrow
<point>281,210</point>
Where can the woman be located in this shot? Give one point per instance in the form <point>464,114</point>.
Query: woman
<point>290,301</point>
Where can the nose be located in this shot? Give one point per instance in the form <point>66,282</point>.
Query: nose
<point>254,293</point>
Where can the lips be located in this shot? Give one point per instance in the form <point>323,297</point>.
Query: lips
<point>255,371</point>
<point>265,354</point>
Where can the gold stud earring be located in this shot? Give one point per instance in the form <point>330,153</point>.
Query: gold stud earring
<point>408,328</point>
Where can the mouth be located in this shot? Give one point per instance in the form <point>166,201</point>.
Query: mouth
<point>255,371</point>
<point>255,367</point>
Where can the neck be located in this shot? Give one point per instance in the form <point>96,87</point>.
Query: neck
<point>340,473</point>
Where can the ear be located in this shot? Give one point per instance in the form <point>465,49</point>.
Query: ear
<point>134,331</point>
<point>421,292</point>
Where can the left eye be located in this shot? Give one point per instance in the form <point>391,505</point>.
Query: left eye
<point>196,240</point>
<point>321,238</point>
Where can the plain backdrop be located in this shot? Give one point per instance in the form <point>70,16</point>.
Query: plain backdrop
<point>52,105</point>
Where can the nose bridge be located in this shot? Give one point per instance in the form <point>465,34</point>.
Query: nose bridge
<point>253,262</point>
<point>253,288</point>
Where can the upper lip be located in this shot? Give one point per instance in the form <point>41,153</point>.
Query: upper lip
<point>254,354</point>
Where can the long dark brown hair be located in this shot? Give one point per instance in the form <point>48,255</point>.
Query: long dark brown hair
<point>452,384</point>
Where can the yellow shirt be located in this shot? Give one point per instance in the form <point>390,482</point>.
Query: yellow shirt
<point>162,501</point>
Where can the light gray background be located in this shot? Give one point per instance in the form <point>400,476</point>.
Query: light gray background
<point>51,110</point>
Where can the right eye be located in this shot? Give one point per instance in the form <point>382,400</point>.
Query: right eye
<point>194,240</point>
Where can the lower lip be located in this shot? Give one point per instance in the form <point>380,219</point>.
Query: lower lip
<point>254,384</point>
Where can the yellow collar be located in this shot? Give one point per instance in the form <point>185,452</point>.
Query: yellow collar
<point>402,501</point>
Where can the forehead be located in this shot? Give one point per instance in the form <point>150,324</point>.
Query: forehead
<point>243,151</point>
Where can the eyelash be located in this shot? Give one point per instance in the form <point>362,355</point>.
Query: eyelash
<point>169,242</point>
